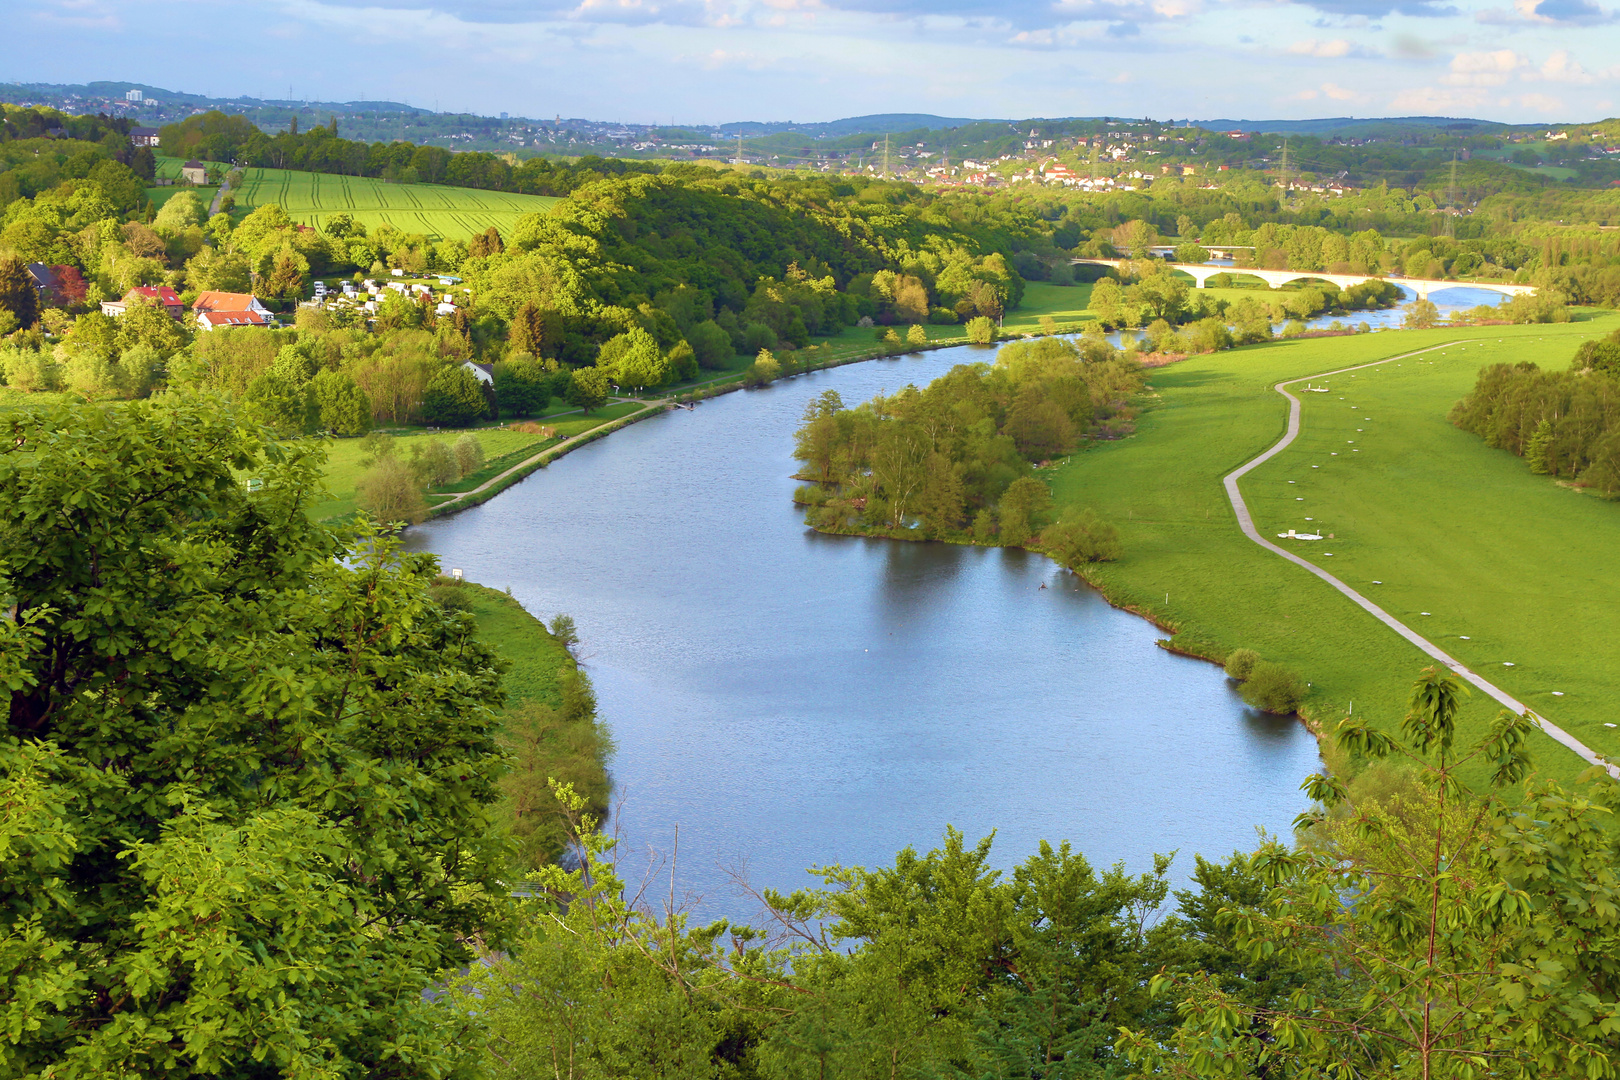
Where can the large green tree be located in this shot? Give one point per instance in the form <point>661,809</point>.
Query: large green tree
<point>246,773</point>
<point>17,293</point>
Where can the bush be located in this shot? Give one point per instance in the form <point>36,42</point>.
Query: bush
<point>390,493</point>
<point>1240,663</point>
<point>469,454</point>
<point>562,628</point>
<point>916,335</point>
<point>810,495</point>
<point>434,463</point>
<point>1273,688</point>
<point>1082,537</point>
<point>980,330</point>
<point>711,344</point>
<point>942,316</point>
<point>764,370</point>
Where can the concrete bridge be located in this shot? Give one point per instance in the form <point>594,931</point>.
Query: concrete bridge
<point>1202,272</point>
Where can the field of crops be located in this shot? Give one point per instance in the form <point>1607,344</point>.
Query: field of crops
<point>429,209</point>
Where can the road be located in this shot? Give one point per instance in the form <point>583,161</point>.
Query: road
<point>1246,522</point>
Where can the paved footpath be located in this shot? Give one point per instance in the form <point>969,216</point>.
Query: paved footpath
<point>1247,524</point>
<point>553,450</point>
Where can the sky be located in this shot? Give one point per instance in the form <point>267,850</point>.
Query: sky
<point>717,61</point>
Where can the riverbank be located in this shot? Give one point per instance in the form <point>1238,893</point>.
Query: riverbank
<point>549,722</point>
<point>1426,516</point>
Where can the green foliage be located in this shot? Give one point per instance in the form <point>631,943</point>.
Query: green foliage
<point>434,463</point>
<point>1273,688</point>
<point>765,369</point>
<point>238,743</point>
<point>1240,663</point>
<point>469,454</point>
<point>588,389</point>
<point>1563,423</point>
<point>454,398</point>
<point>17,294</point>
<point>711,344</point>
<point>342,406</point>
<point>1080,536</point>
<point>1022,510</point>
<point>980,330</point>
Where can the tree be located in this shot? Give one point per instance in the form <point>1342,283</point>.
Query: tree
<point>817,442</point>
<point>711,344</point>
<point>1421,315</point>
<point>588,389</point>
<point>282,403</point>
<point>434,463</point>
<point>522,386</point>
<point>391,493</point>
<point>454,398</point>
<point>633,359</point>
<point>1108,301</point>
<point>342,406</point>
<point>1022,509</point>
<point>528,330</point>
<point>17,293</point>
<point>236,711</point>
<point>981,330</point>
<point>916,335</point>
<point>469,454</point>
<point>1479,942</point>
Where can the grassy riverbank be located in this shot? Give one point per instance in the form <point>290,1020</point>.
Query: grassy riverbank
<point>549,724</point>
<point>1524,568</point>
<point>503,448</point>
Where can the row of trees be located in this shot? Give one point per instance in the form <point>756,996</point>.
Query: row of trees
<point>1563,423</point>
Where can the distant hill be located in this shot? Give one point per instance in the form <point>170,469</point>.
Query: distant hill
<point>1352,125</point>
<point>876,124</point>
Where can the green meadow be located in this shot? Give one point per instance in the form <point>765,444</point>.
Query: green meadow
<point>428,209</point>
<point>1512,568</point>
<point>503,448</point>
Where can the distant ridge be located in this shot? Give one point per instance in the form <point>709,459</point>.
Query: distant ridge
<point>877,123</point>
<point>1347,124</point>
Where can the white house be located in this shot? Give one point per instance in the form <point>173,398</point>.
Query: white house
<point>485,372</point>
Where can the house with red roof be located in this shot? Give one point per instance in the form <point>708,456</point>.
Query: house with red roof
<point>214,320</point>
<point>147,294</point>
<point>228,301</point>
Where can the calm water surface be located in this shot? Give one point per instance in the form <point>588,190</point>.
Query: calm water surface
<point>790,699</point>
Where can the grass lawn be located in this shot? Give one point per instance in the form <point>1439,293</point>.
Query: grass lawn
<point>429,209</point>
<point>1526,569</point>
<point>538,659</point>
<point>503,448</point>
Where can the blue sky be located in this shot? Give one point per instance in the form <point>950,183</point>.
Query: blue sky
<point>712,61</point>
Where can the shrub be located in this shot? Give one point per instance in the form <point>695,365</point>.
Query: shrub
<point>763,371</point>
<point>916,335</point>
<point>469,454</point>
<point>434,463</point>
<point>1082,537</point>
<point>562,628</point>
<point>390,493</point>
<point>980,330</point>
<point>942,316</point>
<point>1022,508</point>
<point>984,526</point>
<point>810,495</point>
<point>1273,688</point>
<point>1240,663</point>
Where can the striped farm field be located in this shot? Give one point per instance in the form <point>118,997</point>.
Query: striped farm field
<point>429,209</point>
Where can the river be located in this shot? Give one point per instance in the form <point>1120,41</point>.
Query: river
<point>788,699</point>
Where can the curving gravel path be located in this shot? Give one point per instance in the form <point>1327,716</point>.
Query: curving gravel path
<point>1246,522</point>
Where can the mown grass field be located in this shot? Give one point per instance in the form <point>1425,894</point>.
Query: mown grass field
<point>429,209</point>
<point>503,448</point>
<point>1527,570</point>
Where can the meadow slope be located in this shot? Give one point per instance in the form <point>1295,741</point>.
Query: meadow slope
<point>429,209</point>
<point>1527,570</point>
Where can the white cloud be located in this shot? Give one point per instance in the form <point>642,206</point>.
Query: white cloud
<point>1483,68</point>
<point>1325,50</point>
<point>1541,103</point>
<point>1561,67</point>
<point>1431,100</point>
<point>1339,93</point>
